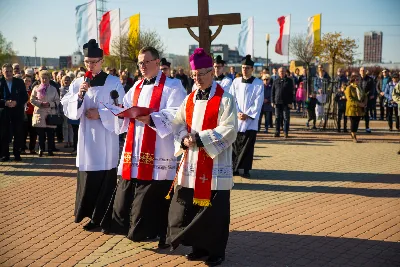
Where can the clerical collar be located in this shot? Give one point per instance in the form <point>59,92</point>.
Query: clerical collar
<point>219,78</point>
<point>203,94</point>
<point>149,82</point>
<point>249,80</point>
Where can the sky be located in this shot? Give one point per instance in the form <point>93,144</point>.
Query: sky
<point>53,22</point>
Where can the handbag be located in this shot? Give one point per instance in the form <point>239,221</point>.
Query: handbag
<point>55,119</point>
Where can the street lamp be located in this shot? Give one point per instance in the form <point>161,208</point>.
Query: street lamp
<point>267,39</point>
<point>34,40</point>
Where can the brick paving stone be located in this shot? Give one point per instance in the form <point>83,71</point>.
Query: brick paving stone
<point>314,199</point>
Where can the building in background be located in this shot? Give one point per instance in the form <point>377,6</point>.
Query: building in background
<point>77,59</point>
<point>51,63</point>
<point>373,47</point>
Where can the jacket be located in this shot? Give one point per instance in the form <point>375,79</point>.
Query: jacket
<point>353,108</point>
<point>396,95</point>
<point>367,84</point>
<point>40,113</point>
<point>282,91</point>
<point>301,94</point>
<point>311,103</point>
<point>341,102</point>
<point>18,94</point>
<point>388,91</point>
<point>267,95</point>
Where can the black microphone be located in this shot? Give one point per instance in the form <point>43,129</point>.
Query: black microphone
<point>87,78</point>
<point>114,96</point>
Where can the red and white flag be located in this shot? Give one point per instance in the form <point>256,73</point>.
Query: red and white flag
<point>109,30</point>
<point>282,45</point>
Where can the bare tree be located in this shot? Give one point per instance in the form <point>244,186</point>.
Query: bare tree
<point>303,51</point>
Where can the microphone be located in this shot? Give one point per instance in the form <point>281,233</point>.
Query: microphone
<point>114,96</point>
<point>87,78</point>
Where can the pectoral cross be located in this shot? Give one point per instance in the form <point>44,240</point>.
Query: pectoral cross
<point>204,21</point>
<point>203,179</point>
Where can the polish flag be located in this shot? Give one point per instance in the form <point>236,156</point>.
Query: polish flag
<point>282,45</point>
<point>109,30</point>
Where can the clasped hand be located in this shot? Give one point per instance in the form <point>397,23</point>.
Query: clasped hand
<point>242,116</point>
<point>189,140</point>
<point>10,103</point>
<point>92,114</point>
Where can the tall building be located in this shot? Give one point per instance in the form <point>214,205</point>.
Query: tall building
<point>373,47</point>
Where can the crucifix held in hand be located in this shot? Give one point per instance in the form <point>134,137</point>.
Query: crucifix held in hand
<point>204,21</point>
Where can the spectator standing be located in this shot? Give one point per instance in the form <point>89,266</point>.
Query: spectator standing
<point>340,99</point>
<point>266,109</point>
<point>355,105</point>
<point>28,128</point>
<point>381,85</point>
<point>392,104</point>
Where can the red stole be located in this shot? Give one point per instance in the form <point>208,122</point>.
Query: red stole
<point>146,161</point>
<point>202,187</point>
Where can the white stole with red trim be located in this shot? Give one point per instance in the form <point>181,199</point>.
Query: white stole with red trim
<point>217,142</point>
<point>164,160</point>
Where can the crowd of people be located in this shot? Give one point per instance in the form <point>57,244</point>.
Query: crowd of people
<point>178,160</point>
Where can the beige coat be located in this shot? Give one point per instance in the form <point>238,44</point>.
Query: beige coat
<point>40,113</point>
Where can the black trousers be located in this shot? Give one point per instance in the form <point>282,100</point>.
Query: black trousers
<point>43,132</point>
<point>75,128</point>
<point>6,127</point>
<point>282,113</point>
<point>30,131</point>
<point>267,115</point>
<point>389,114</point>
<point>382,107</point>
<point>355,121</point>
<point>312,116</point>
<point>341,113</point>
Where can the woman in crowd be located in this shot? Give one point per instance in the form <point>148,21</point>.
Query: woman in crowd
<point>45,98</point>
<point>28,128</point>
<point>67,128</point>
<point>355,104</point>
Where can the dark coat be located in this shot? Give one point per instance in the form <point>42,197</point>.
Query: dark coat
<point>267,96</point>
<point>282,91</point>
<point>18,94</point>
<point>341,102</point>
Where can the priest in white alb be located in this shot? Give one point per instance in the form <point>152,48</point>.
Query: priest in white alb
<point>205,128</point>
<point>248,92</point>
<point>98,146</point>
<point>148,164</point>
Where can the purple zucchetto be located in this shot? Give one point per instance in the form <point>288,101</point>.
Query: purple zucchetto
<point>200,59</point>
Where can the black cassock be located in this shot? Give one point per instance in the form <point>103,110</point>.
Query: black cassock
<point>203,228</point>
<point>139,209</point>
<point>93,194</point>
<point>243,150</point>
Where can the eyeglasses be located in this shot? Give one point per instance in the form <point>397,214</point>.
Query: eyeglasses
<point>87,62</point>
<point>145,63</point>
<point>199,75</point>
<point>163,68</point>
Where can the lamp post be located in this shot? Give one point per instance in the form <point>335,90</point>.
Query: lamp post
<point>267,39</point>
<point>34,40</point>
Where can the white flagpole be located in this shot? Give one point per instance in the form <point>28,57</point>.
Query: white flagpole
<point>290,25</point>
<point>120,49</point>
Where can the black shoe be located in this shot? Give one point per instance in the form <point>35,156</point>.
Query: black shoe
<point>276,134</point>
<point>40,153</point>
<point>214,260</point>
<point>345,131</point>
<point>246,175</point>
<point>32,152</point>
<point>338,130</point>
<point>105,231</point>
<point>196,255</point>
<point>50,153</point>
<point>23,152</point>
<point>236,173</point>
<point>286,135</point>
<point>90,226</point>
<point>162,244</point>
<point>56,149</point>
<point>5,159</point>
<point>17,158</point>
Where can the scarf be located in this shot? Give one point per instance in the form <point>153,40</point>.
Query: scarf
<point>41,91</point>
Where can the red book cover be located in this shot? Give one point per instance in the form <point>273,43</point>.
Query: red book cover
<point>132,112</point>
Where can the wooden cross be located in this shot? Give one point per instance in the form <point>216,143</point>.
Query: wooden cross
<point>203,179</point>
<point>204,21</point>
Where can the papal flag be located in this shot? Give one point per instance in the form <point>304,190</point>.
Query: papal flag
<point>109,30</point>
<point>86,22</point>
<point>130,27</point>
<point>314,29</point>
<point>282,45</point>
<point>246,38</point>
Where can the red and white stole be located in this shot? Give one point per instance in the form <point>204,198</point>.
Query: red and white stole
<point>202,187</point>
<point>146,160</point>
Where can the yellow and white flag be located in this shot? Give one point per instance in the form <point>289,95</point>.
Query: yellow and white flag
<point>314,29</point>
<point>131,27</point>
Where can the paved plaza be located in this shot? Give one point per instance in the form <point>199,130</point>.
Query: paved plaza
<point>314,199</point>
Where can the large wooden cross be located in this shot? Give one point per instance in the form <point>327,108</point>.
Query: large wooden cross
<point>204,21</point>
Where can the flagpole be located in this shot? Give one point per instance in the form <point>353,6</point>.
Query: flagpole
<point>290,25</point>
<point>97,24</point>
<point>120,48</point>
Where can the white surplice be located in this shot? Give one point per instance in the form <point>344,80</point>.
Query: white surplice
<point>172,97</point>
<point>217,142</point>
<point>225,83</point>
<point>249,98</point>
<point>98,143</point>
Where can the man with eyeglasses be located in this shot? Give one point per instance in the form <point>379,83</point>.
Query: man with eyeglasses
<point>219,76</point>
<point>248,92</point>
<point>147,164</point>
<point>205,128</point>
<point>98,142</point>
